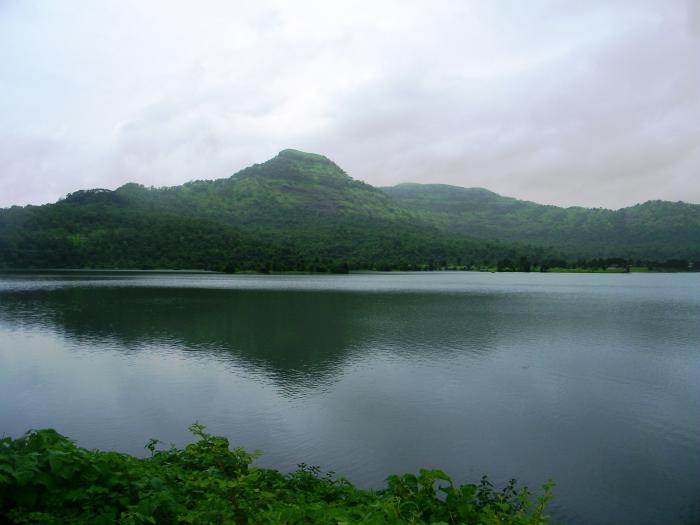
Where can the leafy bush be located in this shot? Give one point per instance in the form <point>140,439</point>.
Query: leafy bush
<point>45,478</point>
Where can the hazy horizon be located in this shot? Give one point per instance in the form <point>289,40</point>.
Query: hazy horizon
<point>378,186</point>
<point>592,105</point>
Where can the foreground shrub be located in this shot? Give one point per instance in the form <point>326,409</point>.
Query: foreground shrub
<point>46,478</point>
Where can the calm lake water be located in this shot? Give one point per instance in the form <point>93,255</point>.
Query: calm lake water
<point>592,380</point>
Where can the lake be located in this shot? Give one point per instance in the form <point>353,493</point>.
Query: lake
<point>592,380</point>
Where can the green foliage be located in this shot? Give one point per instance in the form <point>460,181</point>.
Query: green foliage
<point>296,212</point>
<point>301,212</point>
<point>655,230</point>
<point>45,478</point>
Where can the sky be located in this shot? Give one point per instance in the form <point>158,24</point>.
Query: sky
<point>592,103</point>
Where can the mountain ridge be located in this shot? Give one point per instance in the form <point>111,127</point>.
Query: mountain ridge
<point>300,210</point>
<point>577,231</point>
<point>479,189</point>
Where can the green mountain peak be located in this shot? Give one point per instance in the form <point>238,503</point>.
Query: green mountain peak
<point>301,155</point>
<point>300,210</point>
<point>297,167</point>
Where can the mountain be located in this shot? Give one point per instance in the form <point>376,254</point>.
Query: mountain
<point>296,211</point>
<point>300,211</point>
<point>655,230</point>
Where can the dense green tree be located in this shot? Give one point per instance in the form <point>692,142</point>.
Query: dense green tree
<point>301,212</point>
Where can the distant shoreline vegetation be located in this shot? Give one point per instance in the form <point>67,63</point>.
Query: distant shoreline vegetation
<point>46,478</point>
<point>503,266</point>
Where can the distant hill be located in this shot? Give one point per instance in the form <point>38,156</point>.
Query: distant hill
<point>655,230</point>
<point>300,211</point>
<point>297,211</point>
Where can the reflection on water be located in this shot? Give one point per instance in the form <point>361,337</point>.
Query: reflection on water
<point>291,337</point>
<point>587,379</point>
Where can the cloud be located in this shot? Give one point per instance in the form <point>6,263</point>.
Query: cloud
<point>693,17</point>
<point>592,104</point>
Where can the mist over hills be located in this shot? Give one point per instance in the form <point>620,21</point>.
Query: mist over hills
<point>300,211</point>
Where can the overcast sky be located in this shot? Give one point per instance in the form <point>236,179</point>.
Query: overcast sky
<point>593,103</point>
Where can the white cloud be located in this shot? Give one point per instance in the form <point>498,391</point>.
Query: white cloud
<point>591,103</point>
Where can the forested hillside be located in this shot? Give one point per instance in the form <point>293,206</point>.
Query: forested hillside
<point>300,211</point>
<point>655,230</point>
<point>297,211</point>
